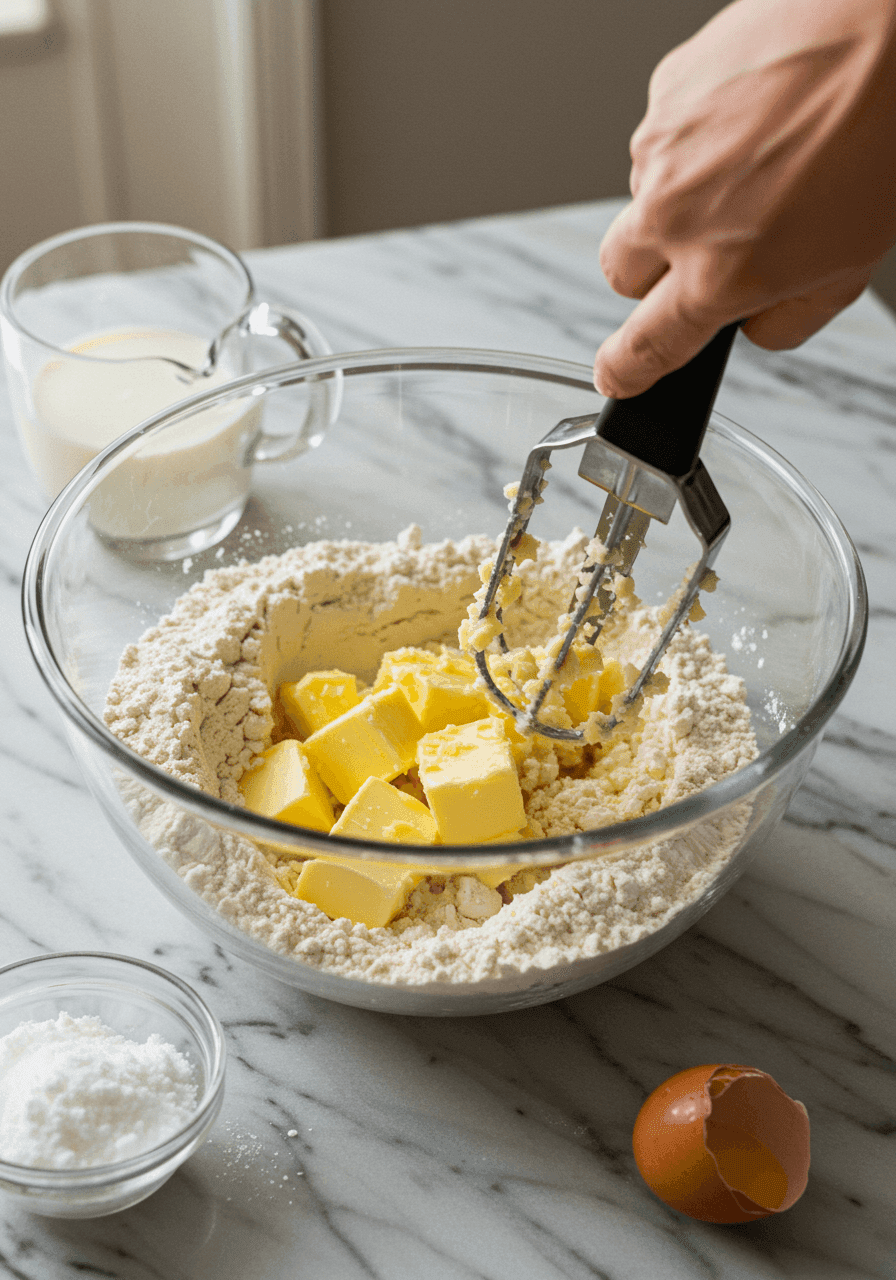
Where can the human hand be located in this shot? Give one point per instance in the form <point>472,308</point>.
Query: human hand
<point>763,183</point>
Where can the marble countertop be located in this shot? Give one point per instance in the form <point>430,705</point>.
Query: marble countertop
<point>499,1147</point>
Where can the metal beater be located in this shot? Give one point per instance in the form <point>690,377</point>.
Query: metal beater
<point>644,452</point>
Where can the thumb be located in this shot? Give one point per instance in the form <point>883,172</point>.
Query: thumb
<point>661,334</point>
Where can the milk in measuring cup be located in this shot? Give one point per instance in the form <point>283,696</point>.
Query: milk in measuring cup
<point>189,477</point>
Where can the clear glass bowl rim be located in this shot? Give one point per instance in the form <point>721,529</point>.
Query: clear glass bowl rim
<point>122,1171</point>
<point>656,825</point>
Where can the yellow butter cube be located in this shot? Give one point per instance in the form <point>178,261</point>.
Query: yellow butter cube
<point>318,698</point>
<point>579,681</point>
<point>612,681</point>
<point>493,876</point>
<point>520,743</point>
<point>582,696</point>
<point>439,686</point>
<point>594,689</point>
<point>376,739</point>
<point>398,662</point>
<point>284,786</point>
<point>453,662</point>
<point>380,811</point>
<point>470,781</point>
<point>367,893</point>
<point>440,698</point>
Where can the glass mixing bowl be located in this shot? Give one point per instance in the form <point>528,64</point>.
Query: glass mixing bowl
<point>431,437</point>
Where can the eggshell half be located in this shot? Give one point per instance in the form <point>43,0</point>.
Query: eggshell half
<point>723,1143</point>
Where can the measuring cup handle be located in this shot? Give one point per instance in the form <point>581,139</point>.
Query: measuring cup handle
<point>264,320</point>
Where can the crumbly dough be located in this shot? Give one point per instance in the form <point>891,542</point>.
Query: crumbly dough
<point>193,696</point>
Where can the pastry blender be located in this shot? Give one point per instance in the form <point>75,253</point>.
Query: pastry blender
<point>644,452</point>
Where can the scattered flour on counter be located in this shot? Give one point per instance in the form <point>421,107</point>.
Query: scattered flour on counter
<point>74,1094</point>
<point>245,1154</point>
<point>193,696</point>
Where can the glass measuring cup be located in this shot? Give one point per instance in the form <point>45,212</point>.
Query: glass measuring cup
<point>105,326</point>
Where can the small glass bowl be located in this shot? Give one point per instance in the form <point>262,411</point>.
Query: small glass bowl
<point>134,999</point>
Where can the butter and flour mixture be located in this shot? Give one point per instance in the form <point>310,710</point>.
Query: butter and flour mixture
<point>194,697</point>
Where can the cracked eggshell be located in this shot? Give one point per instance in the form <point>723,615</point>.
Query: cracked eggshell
<point>723,1143</point>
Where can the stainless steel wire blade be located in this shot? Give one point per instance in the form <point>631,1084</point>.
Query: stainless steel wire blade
<point>644,453</point>
<point>627,551</point>
<point>621,530</point>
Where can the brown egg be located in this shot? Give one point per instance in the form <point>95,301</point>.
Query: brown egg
<point>723,1144</point>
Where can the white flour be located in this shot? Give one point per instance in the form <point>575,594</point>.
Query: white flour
<point>193,697</point>
<point>75,1094</point>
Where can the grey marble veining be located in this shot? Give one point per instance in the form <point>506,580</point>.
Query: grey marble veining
<point>499,1147</point>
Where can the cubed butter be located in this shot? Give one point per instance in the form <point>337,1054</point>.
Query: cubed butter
<point>440,698</point>
<point>520,743</point>
<point>470,781</point>
<point>380,811</point>
<point>398,662</point>
<point>376,739</point>
<point>593,690</point>
<point>439,686</point>
<point>493,876</point>
<point>367,893</point>
<point>612,681</point>
<point>284,786</point>
<point>318,698</point>
<point>581,695</point>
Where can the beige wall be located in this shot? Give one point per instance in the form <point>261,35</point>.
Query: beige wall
<point>129,109</point>
<point>39,192</point>
<point>439,109</point>
<point>162,112</point>
<point>263,121</point>
<point>450,108</point>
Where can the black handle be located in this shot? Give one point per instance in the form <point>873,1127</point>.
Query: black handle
<point>664,426</point>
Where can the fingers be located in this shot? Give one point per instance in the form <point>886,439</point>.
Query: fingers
<point>631,266</point>
<point>792,321</point>
<point>660,335</point>
<point>667,329</point>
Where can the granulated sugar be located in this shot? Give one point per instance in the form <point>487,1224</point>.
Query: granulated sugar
<point>194,697</point>
<point>75,1094</point>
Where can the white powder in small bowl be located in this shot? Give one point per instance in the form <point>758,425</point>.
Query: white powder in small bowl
<point>74,1094</point>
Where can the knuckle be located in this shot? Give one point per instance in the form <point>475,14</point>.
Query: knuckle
<point>652,350</point>
<point>631,263</point>
<point>615,263</point>
<point>614,274</point>
<point>608,258</point>
<point>695,312</point>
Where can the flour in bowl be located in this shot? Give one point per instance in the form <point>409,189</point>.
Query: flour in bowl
<point>193,696</point>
